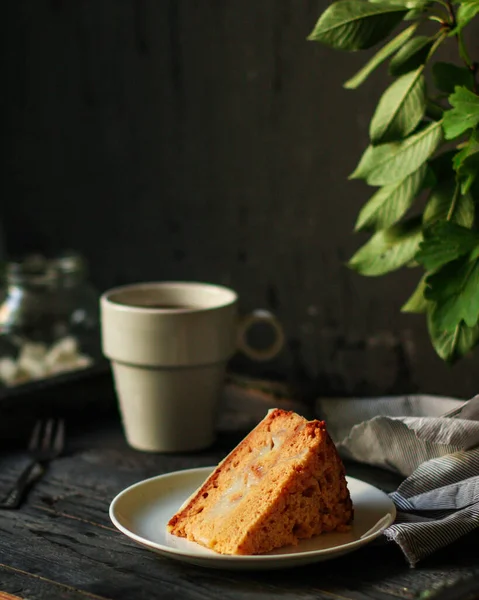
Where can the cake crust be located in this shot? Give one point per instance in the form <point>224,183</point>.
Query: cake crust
<point>284,482</point>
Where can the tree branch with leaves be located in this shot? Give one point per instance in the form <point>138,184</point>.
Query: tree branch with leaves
<point>411,132</point>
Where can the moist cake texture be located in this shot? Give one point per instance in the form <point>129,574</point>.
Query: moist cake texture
<point>284,482</point>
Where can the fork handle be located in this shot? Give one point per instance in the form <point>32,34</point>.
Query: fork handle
<point>33,471</point>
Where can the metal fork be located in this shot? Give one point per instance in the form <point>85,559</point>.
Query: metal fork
<point>47,442</point>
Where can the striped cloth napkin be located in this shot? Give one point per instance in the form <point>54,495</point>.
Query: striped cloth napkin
<point>433,442</point>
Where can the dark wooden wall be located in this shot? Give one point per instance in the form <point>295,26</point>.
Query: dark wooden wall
<point>206,139</point>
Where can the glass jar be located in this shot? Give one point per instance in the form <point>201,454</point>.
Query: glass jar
<point>49,320</point>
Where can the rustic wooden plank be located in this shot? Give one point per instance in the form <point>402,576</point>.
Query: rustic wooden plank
<point>123,572</point>
<point>36,587</point>
<point>348,574</point>
<point>5,596</point>
<point>104,563</point>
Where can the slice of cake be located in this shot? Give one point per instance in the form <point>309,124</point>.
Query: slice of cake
<point>285,481</point>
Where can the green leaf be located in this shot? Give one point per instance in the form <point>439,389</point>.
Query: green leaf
<point>414,14</point>
<point>390,202</point>
<point>448,76</point>
<point>452,345</point>
<point>442,205</point>
<point>465,14</point>
<point>467,153</point>
<point>400,109</point>
<point>466,162</point>
<point>464,115</point>
<point>407,3</point>
<point>387,163</point>
<point>454,290</point>
<point>355,24</point>
<point>444,242</point>
<point>417,303</point>
<point>416,7</point>
<point>467,182</point>
<point>388,249</point>
<point>412,54</point>
<point>380,57</point>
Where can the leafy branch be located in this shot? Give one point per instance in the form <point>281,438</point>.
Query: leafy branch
<point>468,11</point>
<point>406,157</point>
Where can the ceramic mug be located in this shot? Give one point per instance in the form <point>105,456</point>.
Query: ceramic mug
<point>169,343</point>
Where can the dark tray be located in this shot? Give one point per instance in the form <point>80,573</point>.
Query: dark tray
<point>78,396</point>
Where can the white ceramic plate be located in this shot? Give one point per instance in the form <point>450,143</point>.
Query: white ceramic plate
<point>142,511</point>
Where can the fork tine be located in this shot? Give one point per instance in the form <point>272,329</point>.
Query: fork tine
<point>59,442</point>
<point>34,442</point>
<point>47,434</point>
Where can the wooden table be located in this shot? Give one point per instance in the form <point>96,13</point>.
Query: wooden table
<point>62,545</point>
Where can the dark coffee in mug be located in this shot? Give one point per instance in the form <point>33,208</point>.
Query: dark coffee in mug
<point>162,306</point>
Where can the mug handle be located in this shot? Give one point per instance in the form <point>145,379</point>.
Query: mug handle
<point>260,354</point>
